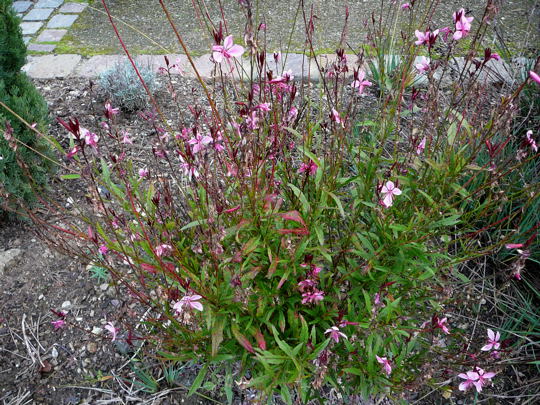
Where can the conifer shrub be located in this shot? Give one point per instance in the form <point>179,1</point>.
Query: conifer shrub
<point>12,49</point>
<point>24,156</point>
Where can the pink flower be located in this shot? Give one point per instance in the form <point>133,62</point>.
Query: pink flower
<point>253,120</point>
<point>58,324</point>
<point>163,250</point>
<point>493,341</point>
<point>335,334</point>
<point>227,51</point>
<point>189,301</point>
<point>112,330</point>
<point>463,24</point>
<point>530,141</point>
<point>470,379</point>
<point>309,168</point>
<point>143,173</point>
<point>336,117</point>
<point>483,379</point>
<point>200,142</point>
<point>306,285</point>
<point>188,169</point>
<point>90,138</point>
<point>443,324</point>
<point>534,76</point>
<point>423,66</point>
<point>126,139</point>
<point>110,111</point>
<point>426,38</point>
<point>406,6</point>
<point>359,82</point>
<point>514,245</point>
<point>495,56</point>
<point>312,297</point>
<point>386,364</point>
<point>72,152</point>
<point>421,146</point>
<point>103,249</point>
<point>263,107</point>
<point>389,190</point>
<point>462,30</point>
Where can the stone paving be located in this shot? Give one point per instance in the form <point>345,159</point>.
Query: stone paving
<point>41,21</point>
<point>46,22</point>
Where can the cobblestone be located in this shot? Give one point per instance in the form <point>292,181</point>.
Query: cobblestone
<point>41,47</point>
<point>38,14</point>
<point>73,8</point>
<point>62,21</point>
<point>49,3</point>
<point>29,28</point>
<point>51,35</point>
<point>21,6</point>
<point>52,66</point>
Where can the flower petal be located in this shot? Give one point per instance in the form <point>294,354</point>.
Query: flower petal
<point>228,42</point>
<point>236,51</point>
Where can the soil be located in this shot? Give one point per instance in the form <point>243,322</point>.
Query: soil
<point>75,364</point>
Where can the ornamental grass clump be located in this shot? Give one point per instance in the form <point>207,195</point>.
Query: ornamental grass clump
<point>308,234</point>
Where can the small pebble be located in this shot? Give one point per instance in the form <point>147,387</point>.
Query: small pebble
<point>54,353</point>
<point>104,286</point>
<point>91,347</point>
<point>66,304</point>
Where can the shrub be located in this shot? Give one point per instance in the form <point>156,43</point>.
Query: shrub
<point>12,48</point>
<point>302,232</point>
<point>122,86</point>
<point>24,157</point>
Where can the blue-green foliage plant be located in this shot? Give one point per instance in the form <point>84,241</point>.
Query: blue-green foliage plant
<point>123,88</point>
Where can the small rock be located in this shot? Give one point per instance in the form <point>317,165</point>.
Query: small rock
<point>66,304</point>
<point>104,286</point>
<point>41,297</point>
<point>115,303</point>
<point>92,313</point>
<point>96,330</point>
<point>91,347</point>
<point>9,258</point>
<point>54,353</point>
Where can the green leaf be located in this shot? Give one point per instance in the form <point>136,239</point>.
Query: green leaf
<point>304,332</point>
<point>452,131</point>
<point>217,333</point>
<point>198,380</point>
<point>298,193</point>
<point>338,203</point>
<point>319,232</point>
<point>285,394</point>
<point>193,224</point>
<point>70,176</point>
<point>355,371</point>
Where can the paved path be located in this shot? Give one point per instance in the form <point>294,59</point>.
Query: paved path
<point>45,22</point>
<point>71,65</point>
